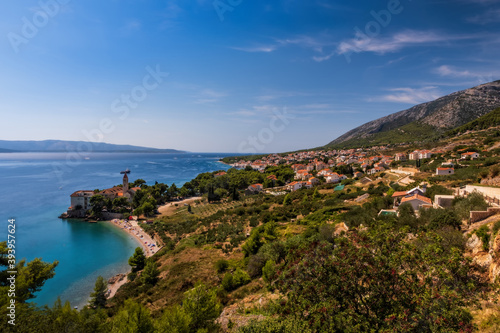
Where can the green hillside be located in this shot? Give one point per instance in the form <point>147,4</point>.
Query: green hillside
<point>488,120</point>
<point>411,132</point>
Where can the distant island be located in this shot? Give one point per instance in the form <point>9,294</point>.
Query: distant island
<point>61,146</point>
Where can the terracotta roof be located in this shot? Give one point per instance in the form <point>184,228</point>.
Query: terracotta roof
<point>399,194</point>
<point>443,169</point>
<point>81,193</point>
<point>417,197</point>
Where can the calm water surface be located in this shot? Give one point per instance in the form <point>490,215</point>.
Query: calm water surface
<point>36,189</point>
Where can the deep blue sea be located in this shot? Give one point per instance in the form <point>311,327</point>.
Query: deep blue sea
<point>36,189</point>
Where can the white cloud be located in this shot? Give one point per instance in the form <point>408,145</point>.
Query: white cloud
<point>257,49</point>
<point>363,43</point>
<point>490,16</point>
<point>410,95</point>
<point>478,76</point>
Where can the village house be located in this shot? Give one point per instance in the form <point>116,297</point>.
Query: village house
<point>424,154</point>
<point>324,172</point>
<point>358,174</point>
<point>400,157</point>
<point>314,181</point>
<point>302,175</point>
<point>254,189</point>
<point>332,177</point>
<point>471,155</point>
<point>375,170</point>
<point>444,171</point>
<point>81,200</point>
<point>414,155</point>
<point>417,201</point>
<point>222,173</point>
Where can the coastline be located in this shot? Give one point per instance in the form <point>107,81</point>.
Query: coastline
<point>133,229</point>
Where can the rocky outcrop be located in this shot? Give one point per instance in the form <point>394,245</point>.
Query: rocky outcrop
<point>490,260</point>
<point>446,112</point>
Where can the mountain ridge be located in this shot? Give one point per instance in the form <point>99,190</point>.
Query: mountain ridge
<point>55,146</point>
<point>443,114</point>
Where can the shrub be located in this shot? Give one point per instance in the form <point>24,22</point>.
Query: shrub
<point>235,280</point>
<point>255,264</point>
<point>240,278</point>
<point>227,282</point>
<point>484,235</point>
<point>495,228</point>
<point>221,266</point>
<point>268,271</point>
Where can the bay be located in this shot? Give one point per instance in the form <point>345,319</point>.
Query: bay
<point>36,189</point>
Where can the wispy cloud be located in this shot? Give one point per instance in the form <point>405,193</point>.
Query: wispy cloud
<point>381,45</point>
<point>243,113</point>
<point>256,49</point>
<point>206,96</point>
<point>479,76</point>
<point>490,16</point>
<point>410,95</point>
<point>325,47</point>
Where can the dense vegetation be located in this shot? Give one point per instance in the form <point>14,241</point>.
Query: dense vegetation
<point>321,260</point>
<point>414,131</point>
<point>487,121</point>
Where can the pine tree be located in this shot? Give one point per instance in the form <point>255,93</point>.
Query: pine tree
<point>150,273</point>
<point>137,260</point>
<point>98,297</point>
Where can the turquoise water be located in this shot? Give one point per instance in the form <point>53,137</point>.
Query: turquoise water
<point>36,189</point>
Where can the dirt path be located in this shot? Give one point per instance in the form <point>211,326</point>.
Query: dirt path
<point>170,208</point>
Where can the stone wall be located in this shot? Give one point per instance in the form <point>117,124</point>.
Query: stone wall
<point>476,216</point>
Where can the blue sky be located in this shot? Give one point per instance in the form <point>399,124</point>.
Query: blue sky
<point>232,75</point>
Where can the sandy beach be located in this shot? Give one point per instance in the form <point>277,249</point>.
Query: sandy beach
<point>133,229</point>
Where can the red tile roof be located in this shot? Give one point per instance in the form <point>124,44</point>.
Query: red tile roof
<point>417,197</point>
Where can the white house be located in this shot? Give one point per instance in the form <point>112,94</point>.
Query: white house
<point>332,177</point>
<point>471,155</point>
<point>255,187</point>
<point>424,154</point>
<point>445,171</point>
<point>81,199</point>
<point>414,155</point>
<point>294,186</point>
<point>416,201</point>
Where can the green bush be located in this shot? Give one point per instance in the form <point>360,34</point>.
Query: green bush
<point>495,228</point>
<point>227,282</point>
<point>221,265</point>
<point>484,235</point>
<point>268,271</point>
<point>240,278</point>
<point>235,280</point>
<point>274,325</point>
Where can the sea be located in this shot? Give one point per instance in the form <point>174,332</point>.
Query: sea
<point>36,189</point>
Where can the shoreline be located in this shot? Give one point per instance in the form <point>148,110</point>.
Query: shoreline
<point>133,229</point>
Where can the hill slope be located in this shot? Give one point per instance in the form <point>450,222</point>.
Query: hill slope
<point>65,146</point>
<point>488,120</point>
<point>432,118</point>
